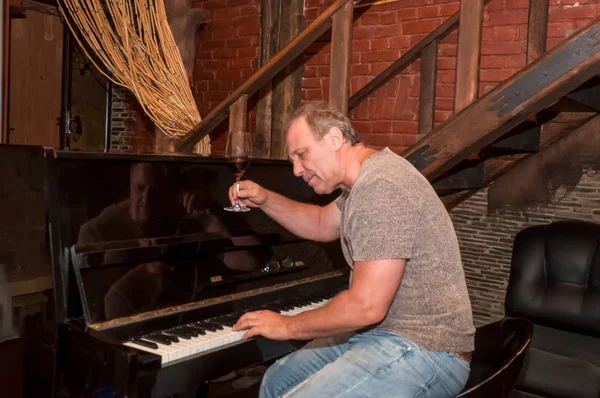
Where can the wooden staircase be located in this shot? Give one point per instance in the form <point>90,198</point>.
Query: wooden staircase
<point>555,95</point>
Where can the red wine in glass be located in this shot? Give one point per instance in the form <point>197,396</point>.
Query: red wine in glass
<point>238,153</point>
<point>238,166</point>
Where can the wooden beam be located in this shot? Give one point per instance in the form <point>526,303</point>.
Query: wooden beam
<point>264,74</point>
<point>41,7</point>
<point>540,84</point>
<point>469,52</point>
<point>557,128</point>
<point>341,51</point>
<point>269,45</point>
<point>537,29</point>
<point>238,113</point>
<point>287,85</point>
<point>428,85</point>
<point>405,60</point>
<point>5,32</point>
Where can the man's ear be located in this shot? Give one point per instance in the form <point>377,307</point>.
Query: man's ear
<point>336,137</point>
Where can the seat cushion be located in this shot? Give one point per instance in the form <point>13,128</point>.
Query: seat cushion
<point>561,364</point>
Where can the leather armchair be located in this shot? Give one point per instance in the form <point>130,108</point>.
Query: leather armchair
<point>555,283</point>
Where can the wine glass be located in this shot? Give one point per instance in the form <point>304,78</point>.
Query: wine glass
<point>238,153</point>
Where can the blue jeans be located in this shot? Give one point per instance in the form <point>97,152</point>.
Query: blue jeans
<point>376,363</point>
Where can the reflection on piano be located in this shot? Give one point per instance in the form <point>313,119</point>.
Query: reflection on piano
<point>151,274</point>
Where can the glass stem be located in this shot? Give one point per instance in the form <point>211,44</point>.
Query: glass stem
<point>237,188</point>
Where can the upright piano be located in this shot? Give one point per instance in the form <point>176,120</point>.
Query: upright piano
<point>150,272</point>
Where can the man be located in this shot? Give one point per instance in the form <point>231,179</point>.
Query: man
<point>407,310</point>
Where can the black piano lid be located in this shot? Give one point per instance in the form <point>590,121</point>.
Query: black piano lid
<point>115,217</point>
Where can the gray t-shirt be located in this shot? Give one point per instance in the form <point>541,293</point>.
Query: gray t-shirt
<point>393,212</point>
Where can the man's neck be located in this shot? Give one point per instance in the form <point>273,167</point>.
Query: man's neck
<point>352,160</point>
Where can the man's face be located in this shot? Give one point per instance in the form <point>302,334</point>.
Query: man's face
<point>316,161</point>
<point>150,193</point>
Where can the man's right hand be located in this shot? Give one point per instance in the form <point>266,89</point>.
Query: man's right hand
<point>250,194</point>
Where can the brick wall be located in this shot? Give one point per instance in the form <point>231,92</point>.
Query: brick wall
<point>228,54</point>
<point>486,240</point>
<point>131,129</point>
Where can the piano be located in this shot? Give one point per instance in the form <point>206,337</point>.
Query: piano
<point>150,272</point>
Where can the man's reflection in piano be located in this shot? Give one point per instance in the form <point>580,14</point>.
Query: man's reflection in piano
<point>159,206</point>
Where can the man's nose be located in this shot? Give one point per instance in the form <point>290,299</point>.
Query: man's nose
<point>298,169</point>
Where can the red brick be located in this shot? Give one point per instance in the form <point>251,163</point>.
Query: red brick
<point>503,48</point>
<point>361,45</point>
<point>560,29</point>
<point>368,19</point>
<point>428,12</point>
<point>447,50</point>
<point>486,33</point>
<point>415,39</point>
<point>312,94</point>
<point>225,52</point>
<point>388,55</point>
<point>448,10</point>
<point>442,116</point>
<point>407,127</point>
<point>215,95</point>
<point>204,75</point>
<point>399,42</point>
<point>388,18</point>
<point>388,31</point>
<point>380,44</point>
<point>444,104</point>
<point>572,13</point>
<point>310,71</point>
<point>360,69</point>
<point>240,42</point>
<point>250,10</point>
<point>378,138</point>
<point>224,33</point>
<point>516,4</point>
<point>248,51</point>
<point>496,5</point>
<point>490,61</point>
<point>388,108</point>
<point>249,31</point>
<point>426,26</point>
<point>363,128</point>
<point>446,63</point>
<point>363,32</point>
<point>241,63</point>
<point>311,82</point>
<point>445,91</point>
<point>507,18</point>
<point>406,14</point>
<point>515,61</point>
<point>368,57</point>
<point>213,44</point>
<point>226,13</point>
<point>505,33</point>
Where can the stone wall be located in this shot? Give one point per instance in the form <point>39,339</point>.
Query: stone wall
<point>486,240</point>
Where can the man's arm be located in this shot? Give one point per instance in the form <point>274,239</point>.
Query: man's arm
<point>374,286</point>
<point>321,224</point>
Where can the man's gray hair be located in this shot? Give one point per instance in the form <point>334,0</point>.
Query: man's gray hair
<point>320,118</point>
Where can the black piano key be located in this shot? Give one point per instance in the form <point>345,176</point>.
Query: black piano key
<point>199,328</point>
<point>158,338</point>
<point>174,339</point>
<point>224,321</point>
<point>144,343</point>
<point>193,332</point>
<point>179,333</point>
<point>211,326</point>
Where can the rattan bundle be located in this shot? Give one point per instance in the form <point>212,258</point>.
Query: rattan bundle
<point>133,42</point>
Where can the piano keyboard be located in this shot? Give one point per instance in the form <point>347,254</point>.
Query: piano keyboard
<point>196,338</point>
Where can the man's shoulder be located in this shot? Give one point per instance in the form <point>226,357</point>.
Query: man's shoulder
<point>110,218</point>
<point>388,168</point>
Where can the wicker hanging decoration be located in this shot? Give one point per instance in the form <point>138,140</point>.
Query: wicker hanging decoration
<point>134,43</point>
